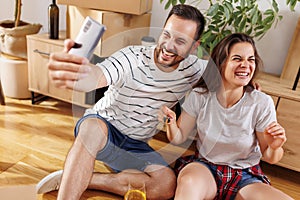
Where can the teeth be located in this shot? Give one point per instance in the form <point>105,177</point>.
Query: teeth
<point>242,74</point>
<point>168,53</point>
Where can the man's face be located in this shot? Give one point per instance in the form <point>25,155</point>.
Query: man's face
<point>175,42</point>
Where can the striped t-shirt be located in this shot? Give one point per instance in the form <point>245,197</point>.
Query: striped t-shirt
<point>138,89</point>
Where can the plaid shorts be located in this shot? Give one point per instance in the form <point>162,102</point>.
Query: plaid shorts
<point>229,181</point>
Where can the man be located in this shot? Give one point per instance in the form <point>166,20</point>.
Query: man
<point>116,130</point>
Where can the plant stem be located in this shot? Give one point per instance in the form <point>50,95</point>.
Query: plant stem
<point>18,12</point>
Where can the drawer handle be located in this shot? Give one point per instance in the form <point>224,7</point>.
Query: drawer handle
<point>40,52</point>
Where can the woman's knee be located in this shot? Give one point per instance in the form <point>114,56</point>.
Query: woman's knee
<point>189,179</point>
<point>199,177</point>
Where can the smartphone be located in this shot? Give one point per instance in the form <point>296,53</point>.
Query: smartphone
<point>88,37</point>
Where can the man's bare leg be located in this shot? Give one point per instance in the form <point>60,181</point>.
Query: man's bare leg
<point>79,165</point>
<point>160,182</point>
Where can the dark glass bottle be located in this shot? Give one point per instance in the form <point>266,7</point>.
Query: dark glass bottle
<point>53,15</point>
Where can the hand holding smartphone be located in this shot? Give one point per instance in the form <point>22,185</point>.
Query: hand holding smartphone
<point>88,37</point>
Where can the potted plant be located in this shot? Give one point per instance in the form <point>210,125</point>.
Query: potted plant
<point>13,59</point>
<point>13,34</point>
<point>228,16</point>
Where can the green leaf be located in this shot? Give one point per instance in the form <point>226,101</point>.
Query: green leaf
<point>242,25</point>
<point>260,27</point>
<point>205,35</point>
<point>222,23</point>
<point>200,52</point>
<point>249,30</point>
<point>293,4</point>
<point>213,10</point>
<point>209,39</point>
<point>227,13</point>
<point>229,6</point>
<point>268,20</point>
<point>275,6</point>
<point>182,1</point>
<point>168,4</point>
<point>254,15</point>
<point>226,32</point>
<point>213,28</point>
<point>243,4</point>
<point>257,34</point>
<point>237,20</point>
<point>269,12</point>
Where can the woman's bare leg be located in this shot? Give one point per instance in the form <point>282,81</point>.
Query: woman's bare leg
<point>261,191</point>
<point>195,181</point>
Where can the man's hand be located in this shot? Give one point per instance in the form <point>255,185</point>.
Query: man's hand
<point>73,72</point>
<point>256,85</point>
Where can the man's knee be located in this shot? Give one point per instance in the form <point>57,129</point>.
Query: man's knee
<point>162,184</point>
<point>93,134</point>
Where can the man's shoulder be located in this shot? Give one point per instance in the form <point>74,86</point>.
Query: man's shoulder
<point>132,51</point>
<point>138,50</point>
<point>194,64</point>
<point>193,59</point>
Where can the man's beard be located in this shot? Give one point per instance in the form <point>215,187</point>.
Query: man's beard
<point>159,50</point>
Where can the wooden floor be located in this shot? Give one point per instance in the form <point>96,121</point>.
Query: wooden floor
<point>36,138</point>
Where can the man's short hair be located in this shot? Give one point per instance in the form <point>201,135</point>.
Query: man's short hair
<point>190,13</point>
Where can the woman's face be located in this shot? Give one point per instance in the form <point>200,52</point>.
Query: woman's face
<point>239,66</point>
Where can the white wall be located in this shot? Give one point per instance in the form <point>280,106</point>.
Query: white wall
<point>33,11</point>
<point>273,47</point>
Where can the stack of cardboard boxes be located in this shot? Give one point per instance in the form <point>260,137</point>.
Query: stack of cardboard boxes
<point>127,21</point>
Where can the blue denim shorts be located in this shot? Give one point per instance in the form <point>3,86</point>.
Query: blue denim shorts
<point>247,178</point>
<point>122,152</point>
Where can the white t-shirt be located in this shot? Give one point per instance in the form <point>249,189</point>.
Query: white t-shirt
<point>227,135</point>
<point>138,89</point>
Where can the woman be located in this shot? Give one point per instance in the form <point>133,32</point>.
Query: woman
<point>236,126</point>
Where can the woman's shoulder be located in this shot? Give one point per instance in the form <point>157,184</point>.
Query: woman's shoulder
<point>258,96</point>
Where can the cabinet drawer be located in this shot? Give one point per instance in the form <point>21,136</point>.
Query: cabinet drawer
<point>38,56</point>
<point>288,114</point>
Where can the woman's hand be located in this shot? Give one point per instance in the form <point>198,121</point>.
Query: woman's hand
<point>275,135</point>
<point>166,115</point>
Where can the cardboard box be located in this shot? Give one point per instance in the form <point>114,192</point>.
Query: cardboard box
<point>122,29</point>
<point>136,7</point>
